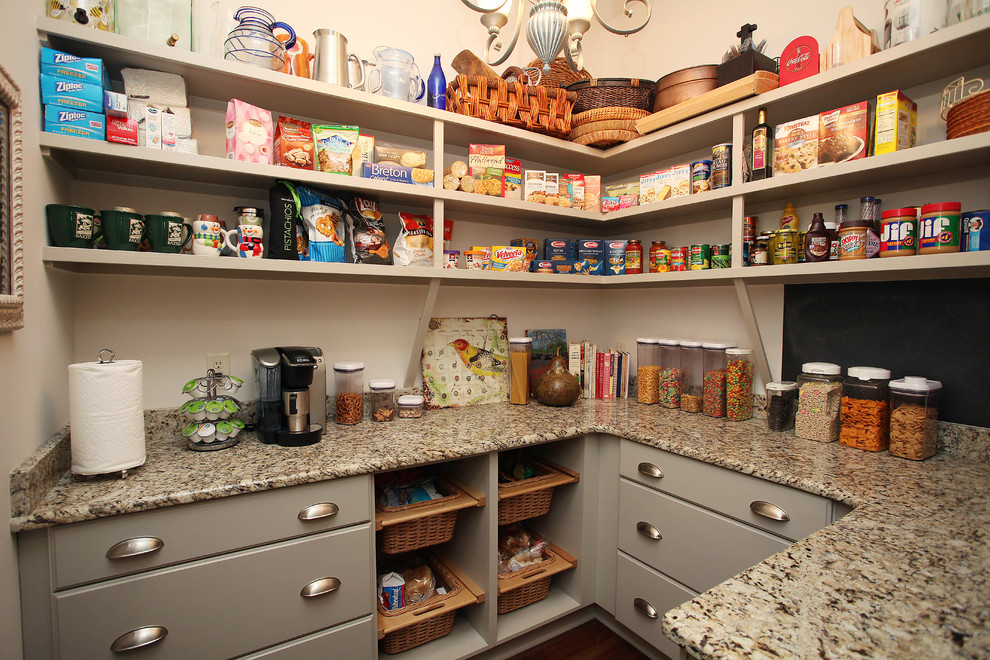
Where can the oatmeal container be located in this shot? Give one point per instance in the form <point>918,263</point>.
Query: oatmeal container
<point>819,401</point>
<point>914,417</point>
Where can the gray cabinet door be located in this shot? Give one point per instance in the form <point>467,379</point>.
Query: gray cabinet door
<point>735,494</point>
<point>642,596</point>
<point>222,607</point>
<point>696,547</point>
<point>350,641</point>
<point>208,528</point>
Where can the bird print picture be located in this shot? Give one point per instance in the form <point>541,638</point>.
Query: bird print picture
<point>465,362</point>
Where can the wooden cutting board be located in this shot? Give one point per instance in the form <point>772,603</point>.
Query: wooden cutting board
<point>758,83</point>
<point>851,41</point>
<point>467,63</point>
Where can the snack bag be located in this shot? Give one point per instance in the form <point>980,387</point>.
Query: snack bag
<point>414,245</point>
<point>323,217</point>
<point>294,143</point>
<point>366,232</point>
<point>283,237</point>
<point>249,133</point>
<point>335,145</point>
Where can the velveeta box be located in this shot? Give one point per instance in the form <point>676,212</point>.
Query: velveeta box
<point>592,192</point>
<point>534,186</point>
<point>513,179</point>
<point>796,146</point>
<point>73,94</point>
<point>509,258</point>
<point>843,134</point>
<point>896,124</point>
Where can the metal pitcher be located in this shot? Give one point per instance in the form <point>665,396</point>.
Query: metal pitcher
<point>332,58</point>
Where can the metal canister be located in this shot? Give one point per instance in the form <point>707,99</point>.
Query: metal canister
<point>679,259</point>
<point>701,176</point>
<point>759,254</point>
<point>783,247</point>
<point>750,223</point>
<point>700,257</point>
<point>722,256</point>
<point>721,165</point>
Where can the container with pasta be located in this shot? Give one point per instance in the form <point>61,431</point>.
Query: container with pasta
<point>914,417</point>
<point>865,422</point>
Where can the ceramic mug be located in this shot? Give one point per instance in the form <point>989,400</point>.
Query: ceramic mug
<point>207,237</point>
<point>123,227</point>
<point>247,241</point>
<point>72,226</point>
<point>167,232</point>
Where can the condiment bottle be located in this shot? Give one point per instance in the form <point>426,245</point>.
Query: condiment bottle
<point>781,404</point>
<point>914,417</point>
<point>714,379</point>
<point>648,370</point>
<point>739,383</point>
<point>382,400</point>
<point>692,376</point>
<point>670,373</point>
<point>817,243</point>
<point>762,148</point>
<point>819,400</point>
<point>833,240</point>
<point>634,257</point>
<point>520,352</point>
<point>348,379</point>
<point>789,219</point>
<point>865,409</point>
<point>436,86</point>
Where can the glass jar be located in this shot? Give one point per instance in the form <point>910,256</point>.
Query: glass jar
<point>249,215</point>
<point>692,376</point>
<point>648,370</point>
<point>659,257</point>
<point>914,417</point>
<point>634,257</point>
<point>714,378</point>
<point>520,352</point>
<point>760,254</point>
<point>670,373</point>
<point>162,22</point>
<point>348,380</point>
<point>857,240</point>
<point>819,400</point>
<point>865,409</point>
<point>382,400</point>
<point>869,211</point>
<point>738,383</point>
<point>781,404</point>
<point>410,406</point>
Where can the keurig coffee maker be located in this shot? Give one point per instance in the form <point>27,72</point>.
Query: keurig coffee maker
<point>292,394</point>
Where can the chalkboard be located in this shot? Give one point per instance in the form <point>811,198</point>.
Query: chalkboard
<point>933,328</point>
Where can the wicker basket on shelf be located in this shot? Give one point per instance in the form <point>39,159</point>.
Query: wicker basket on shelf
<point>561,74</point>
<point>529,498</point>
<point>613,93</point>
<point>531,584</point>
<point>434,527</point>
<point>539,109</point>
<point>969,116</point>
<point>605,127</point>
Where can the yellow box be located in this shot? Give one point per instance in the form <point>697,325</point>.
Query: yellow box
<point>896,125</point>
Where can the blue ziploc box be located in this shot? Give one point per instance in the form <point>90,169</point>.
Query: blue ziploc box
<point>67,121</point>
<point>615,257</point>
<point>592,250</point>
<point>71,94</point>
<point>396,173</point>
<point>559,249</point>
<point>83,69</point>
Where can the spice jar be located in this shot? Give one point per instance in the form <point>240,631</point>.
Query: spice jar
<point>348,380</point>
<point>781,404</point>
<point>692,376</point>
<point>520,352</point>
<point>648,370</point>
<point>634,257</point>
<point>869,211</point>
<point>819,401</point>
<point>670,373</point>
<point>738,383</point>
<point>382,400</point>
<point>914,417</point>
<point>760,254</point>
<point>833,239</point>
<point>865,409</point>
<point>899,234</point>
<point>714,379</point>
<point>410,406</point>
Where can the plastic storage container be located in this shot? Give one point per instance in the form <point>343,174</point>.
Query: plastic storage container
<point>382,400</point>
<point>692,376</point>
<point>348,380</point>
<point>714,378</point>
<point>648,370</point>
<point>914,417</point>
<point>819,401</point>
<point>410,406</point>
<point>866,409</point>
<point>781,405</point>
<point>520,353</point>
<point>670,373</point>
<point>738,383</point>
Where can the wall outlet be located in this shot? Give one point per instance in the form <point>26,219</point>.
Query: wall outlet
<point>218,362</point>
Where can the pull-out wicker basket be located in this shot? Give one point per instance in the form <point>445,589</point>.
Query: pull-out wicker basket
<point>531,584</point>
<point>540,109</point>
<point>414,526</point>
<point>528,498</point>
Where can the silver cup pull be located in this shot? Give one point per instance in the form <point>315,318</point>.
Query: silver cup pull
<point>140,545</point>
<point>649,531</point>
<point>139,638</point>
<point>320,587</point>
<point>645,608</point>
<point>319,510</point>
<point>768,510</point>
<point>650,470</point>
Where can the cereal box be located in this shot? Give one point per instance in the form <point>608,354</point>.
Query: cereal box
<point>896,124</point>
<point>513,179</point>
<point>534,189</point>
<point>843,134</point>
<point>592,250</point>
<point>551,183</point>
<point>615,257</point>
<point>294,143</point>
<point>559,249</point>
<point>796,145</point>
<point>508,258</point>
<point>486,163</point>
<point>648,187</point>
<point>592,192</point>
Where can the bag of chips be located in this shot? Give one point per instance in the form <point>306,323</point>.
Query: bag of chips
<point>366,232</point>
<point>323,216</point>
<point>414,245</point>
<point>283,239</point>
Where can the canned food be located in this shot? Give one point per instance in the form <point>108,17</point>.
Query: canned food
<point>701,176</point>
<point>802,237</point>
<point>783,247</point>
<point>750,223</point>
<point>721,165</point>
<point>722,256</point>
<point>679,259</point>
<point>700,257</point>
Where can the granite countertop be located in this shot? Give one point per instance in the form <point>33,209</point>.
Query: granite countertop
<point>907,573</point>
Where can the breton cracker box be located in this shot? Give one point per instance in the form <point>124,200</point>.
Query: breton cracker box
<point>896,124</point>
<point>796,145</point>
<point>592,192</point>
<point>534,186</point>
<point>397,173</point>
<point>513,179</point>
<point>844,134</point>
<point>486,163</point>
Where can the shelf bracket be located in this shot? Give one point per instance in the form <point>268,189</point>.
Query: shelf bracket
<point>59,161</point>
<point>753,328</point>
<point>415,358</point>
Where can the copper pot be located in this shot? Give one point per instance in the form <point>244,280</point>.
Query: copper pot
<point>685,84</point>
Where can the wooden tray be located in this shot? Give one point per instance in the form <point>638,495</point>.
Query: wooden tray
<point>463,498</point>
<point>531,497</point>
<point>758,83</point>
<point>560,561</point>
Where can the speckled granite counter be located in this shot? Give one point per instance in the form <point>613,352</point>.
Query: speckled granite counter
<point>905,574</point>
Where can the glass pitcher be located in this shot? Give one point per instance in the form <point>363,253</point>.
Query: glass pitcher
<point>253,41</point>
<point>396,75</point>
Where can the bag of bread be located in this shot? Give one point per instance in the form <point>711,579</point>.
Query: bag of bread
<point>414,244</point>
<point>366,233</point>
<point>420,584</point>
<point>323,216</point>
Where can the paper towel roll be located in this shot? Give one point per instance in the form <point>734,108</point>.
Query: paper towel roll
<point>106,416</point>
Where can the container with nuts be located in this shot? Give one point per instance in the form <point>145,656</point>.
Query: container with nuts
<point>382,400</point>
<point>914,417</point>
<point>348,378</point>
<point>410,406</point>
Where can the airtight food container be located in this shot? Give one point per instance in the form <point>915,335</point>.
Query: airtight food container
<point>914,417</point>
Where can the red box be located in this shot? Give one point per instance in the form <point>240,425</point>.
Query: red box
<point>122,131</point>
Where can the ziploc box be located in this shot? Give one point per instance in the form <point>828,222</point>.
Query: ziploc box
<point>896,124</point>
<point>83,69</point>
<point>615,257</point>
<point>592,250</point>
<point>71,94</point>
<point>559,249</point>
<point>66,121</point>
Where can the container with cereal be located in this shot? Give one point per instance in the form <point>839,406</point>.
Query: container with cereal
<point>914,417</point>
<point>382,400</point>
<point>670,373</point>
<point>692,376</point>
<point>819,400</point>
<point>714,379</point>
<point>648,370</point>
<point>739,383</point>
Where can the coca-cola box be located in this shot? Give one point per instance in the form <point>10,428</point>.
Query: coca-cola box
<point>799,60</point>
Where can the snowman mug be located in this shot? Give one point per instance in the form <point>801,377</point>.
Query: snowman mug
<point>207,235</point>
<point>245,241</point>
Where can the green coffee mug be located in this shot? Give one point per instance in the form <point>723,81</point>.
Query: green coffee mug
<point>124,229</point>
<point>167,232</point>
<point>72,226</point>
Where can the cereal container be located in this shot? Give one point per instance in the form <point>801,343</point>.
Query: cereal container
<point>348,379</point>
<point>410,406</point>
<point>520,352</point>
<point>865,409</point>
<point>914,417</point>
<point>382,400</point>
<point>739,384</point>
<point>670,373</point>
<point>692,376</point>
<point>648,370</point>
<point>714,378</point>
<point>819,400</point>
<point>781,403</point>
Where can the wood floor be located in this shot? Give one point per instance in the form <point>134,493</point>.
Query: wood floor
<point>589,641</point>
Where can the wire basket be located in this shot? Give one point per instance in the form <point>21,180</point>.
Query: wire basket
<point>539,108</point>
<point>612,93</point>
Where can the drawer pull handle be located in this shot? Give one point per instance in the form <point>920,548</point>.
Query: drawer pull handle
<point>650,470</point>
<point>645,608</point>
<point>320,587</point>
<point>139,638</point>
<point>768,510</point>
<point>141,545</point>
<point>318,511</point>
<point>649,531</point>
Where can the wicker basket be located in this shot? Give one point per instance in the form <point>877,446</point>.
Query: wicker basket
<point>540,109</point>
<point>531,584</point>
<point>561,74</point>
<point>421,532</point>
<point>429,628</point>
<point>513,508</point>
<point>613,92</point>
<point>969,116</point>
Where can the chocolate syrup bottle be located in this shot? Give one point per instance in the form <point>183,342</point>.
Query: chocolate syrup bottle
<point>817,242</point>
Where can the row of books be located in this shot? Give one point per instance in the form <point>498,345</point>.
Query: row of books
<point>603,374</point>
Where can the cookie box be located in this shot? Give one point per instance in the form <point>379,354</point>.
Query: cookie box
<point>843,134</point>
<point>796,146</point>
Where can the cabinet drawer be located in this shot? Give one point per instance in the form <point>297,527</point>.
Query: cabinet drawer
<point>225,606</point>
<point>202,529</point>
<point>732,493</point>
<point>697,547</point>
<point>638,588</point>
<point>354,641</point>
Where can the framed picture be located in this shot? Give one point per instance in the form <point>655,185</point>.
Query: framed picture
<point>465,362</point>
<point>11,238</point>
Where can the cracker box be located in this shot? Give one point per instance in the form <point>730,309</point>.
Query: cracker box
<point>84,69</point>
<point>67,121</point>
<point>615,257</point>
<point>534,186</point>
<point>551,183</point>
<point>122,131</point>
<point>513,179</point>
<point>592,250</point>
<point>398,174</point>
<point>678,179</point>
<point>796,146</point>
<point>559,249</point>
<point>508,258</point>
<point>592,192</point>
<point>648,184</point>
<point>896,123</point>
<point>843,134</point>
<point>71,93</point>
<point>486,163</point>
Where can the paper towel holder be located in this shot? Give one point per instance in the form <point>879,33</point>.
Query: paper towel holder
<point>112,356</point>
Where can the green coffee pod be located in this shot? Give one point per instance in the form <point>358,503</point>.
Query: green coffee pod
<point>190,386</point>
<point>230,406</point>
<point>237,424</point>
<point>190,429</point>
<point>224,427</point>
<point>214,407</point>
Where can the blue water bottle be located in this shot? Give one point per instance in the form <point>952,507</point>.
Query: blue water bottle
<point>436,86</point>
